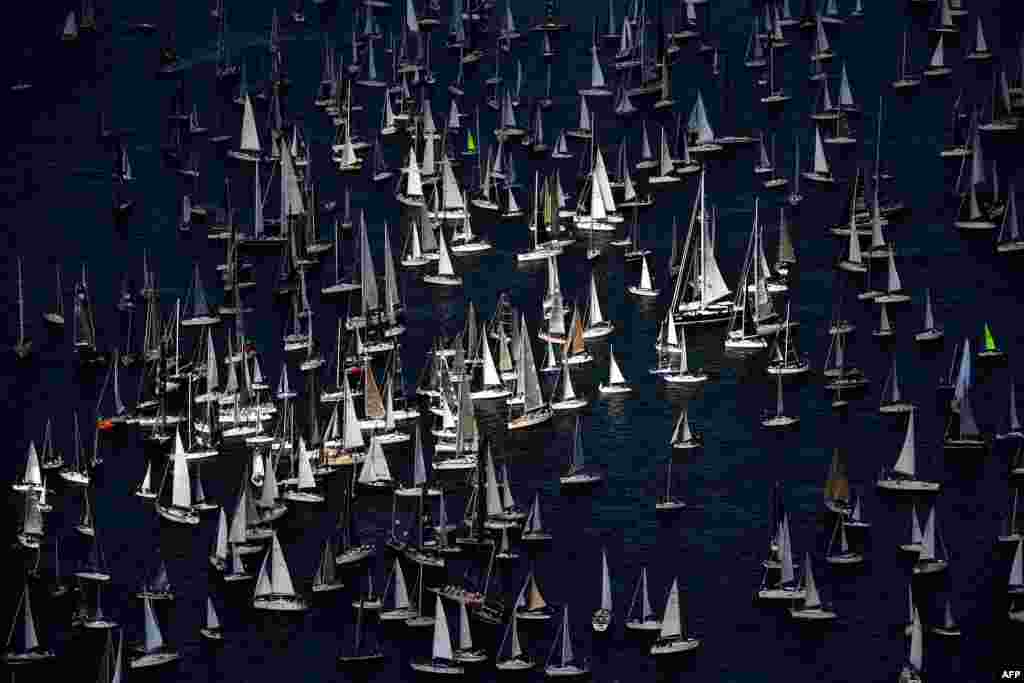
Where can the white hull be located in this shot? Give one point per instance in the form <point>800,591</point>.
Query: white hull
<point>571,404</point>
<point>280,603</point>
<point>613,389</point>
<point>670,647</point>
<point>781,594</point>
<point>443,280</point>
<point>812,614</point>
<point>646,293</point>
<point>153,659</point>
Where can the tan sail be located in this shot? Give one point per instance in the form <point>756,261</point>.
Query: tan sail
<point>837,488</point>
<point>535,600</point>
<point>374,399</point>
<point>575,344</point>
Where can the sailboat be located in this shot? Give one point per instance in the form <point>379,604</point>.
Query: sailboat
<point>929,561</point>
<point>23,347</point>
<point>32,480</point>
<point>903,475</point>
<point>892,398</point>
<point>153,652</point>
<point>211,629</point>
<point>949,627</point>
<point>931,331</point>
<point>785,359</point>
<point>1015,584</point>
<point>989,349</point>
<point>568,400</point>
<point>401,606</point>
<point>516,659</point>
<point>839,551</point>
<point>1009,239</point>
<point>375,473</point>
<point>602,617</point>
<point>466,652</point>
<point>56,316</point>
<point>786,587</point>
<point>673,638</point>
<point>533,527</point>
<point>668,502</point>
<point>911,671</point>
<point>855,517</point>
<point>646,619</point>
<point>616,381</point>
<point>683,438</point>
<point>445,274</point>
<point>325,580</point>
<point>980,51</point>
<point>180,510</point>
<point>597,326</point>
<point>905,79</point>
<point>837,486</point>
<point>963,433</point>
<point>645,288</point>
<point>442,659</point>
<point>359,655</point>
<point>779,418</point>
<point>274,589</point>
<point>820,172</point>
<point>578,474</point>
<point>23,646</point>
<point>812,608</point>
<point>1011,429</point>
<point>561,660</point>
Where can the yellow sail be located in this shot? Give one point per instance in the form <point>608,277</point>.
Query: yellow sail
<point>549,210</point>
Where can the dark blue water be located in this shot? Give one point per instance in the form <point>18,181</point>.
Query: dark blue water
<point>55,212</point>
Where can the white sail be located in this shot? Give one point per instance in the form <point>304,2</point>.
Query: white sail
<point>280,577</point>
<point>811,598</point>
<point>220,550</point>
<point>154,638</point>
<point>353,436</point>
<point>401,591</point>
<point>916,656</point>
<point>845,93</point>
<point>645,276</point>
<point>1017,568</point>
<point>820,160</point>
<point>442,648</point>
<point>615,375</point>
<point>594,314</point>
<point>938,59</point>
<point>788,573</point>
<point>928,537</point>
<point>906,463</point>
<point>33,472</point>
<point>567,654</point>
<point>444,264</point>
<point>465,636</point>
<point>181,495</point>
<point>671,624</point>
<point>263,587</point>
<point>494,506</point>
<point>606,583</point>
<point>306,480</point>
<point>491,377</point>
<point>250,137</point>
<point>596,74</point>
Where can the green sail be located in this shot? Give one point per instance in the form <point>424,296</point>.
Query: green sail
<point>470,142</point>
<point>990,342</point>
